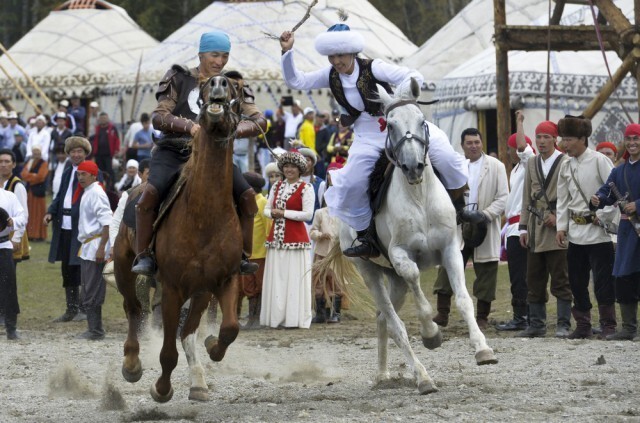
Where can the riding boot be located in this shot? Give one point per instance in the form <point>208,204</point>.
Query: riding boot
<point>248,208</point>
<point>10,322</point>
<point>629,330</point>
<point>366,248</point>
<point>321,311</point>
<point>607,320</point>
<point>71,294</point>
<point>519,321</point>
<point>583,324</point>
<point>444,308</point>
<point>563,329</point>
<point>337,305</point>
<point>482,314</point>
<point>537,322</point>
<point>463,214</point>
<point>146,213</point>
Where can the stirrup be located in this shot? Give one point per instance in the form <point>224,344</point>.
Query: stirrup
<point>145,264</point>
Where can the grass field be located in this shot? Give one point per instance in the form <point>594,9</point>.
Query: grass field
<point>41,297</point>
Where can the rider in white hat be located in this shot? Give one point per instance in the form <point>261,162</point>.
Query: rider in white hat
<point>353,81</point>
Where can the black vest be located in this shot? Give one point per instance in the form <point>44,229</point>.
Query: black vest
<point>366,86</point>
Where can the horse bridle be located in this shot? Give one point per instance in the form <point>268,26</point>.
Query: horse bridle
<point>390,149</point>
<point>227,105</point>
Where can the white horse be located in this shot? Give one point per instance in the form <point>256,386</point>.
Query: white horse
<point>417,227</point>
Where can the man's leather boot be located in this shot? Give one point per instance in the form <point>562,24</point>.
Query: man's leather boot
<point>146,213</point>
<point>537,322</point>
<point>366,247</point>
<point>248,208</point>
<point>629,313</point>
<point>483,309</point>
<point>520,320</point>
<point>563,328</point>
<point>608,321</point>
<point>444,308</point>
<point>583,324</point>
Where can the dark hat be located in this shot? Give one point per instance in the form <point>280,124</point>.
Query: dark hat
<point>574,126</point>
<point>4,216</point>
<point>255,180</point>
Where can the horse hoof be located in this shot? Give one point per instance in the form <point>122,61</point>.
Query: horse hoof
<point>198,394</point>
<point>209,342</point>
<point>433,342</point>
<point>134,375</point>
<point>160,398</point>
<point>486,357</point>
<point>427,387</point>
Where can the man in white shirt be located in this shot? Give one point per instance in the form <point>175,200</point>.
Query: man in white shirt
<point>292,121</point>
<point>589,246</point>
<point>12,221</point>
<point>519,151</point>
<point>488,191</point>
<point>93,233</point>
<point>40,137</point>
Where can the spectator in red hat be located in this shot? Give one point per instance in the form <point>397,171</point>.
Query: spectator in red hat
<point>93,233</point>
<point>608,149</point>
<point>545,259</point>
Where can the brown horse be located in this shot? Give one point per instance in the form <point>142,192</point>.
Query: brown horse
<point>198,248</point>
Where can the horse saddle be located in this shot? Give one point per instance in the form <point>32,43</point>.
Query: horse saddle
<point>129,217</point>
<point>379,181</point>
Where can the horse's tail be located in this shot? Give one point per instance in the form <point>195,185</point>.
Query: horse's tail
<point>346,277</point>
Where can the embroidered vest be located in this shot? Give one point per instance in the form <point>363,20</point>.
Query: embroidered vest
<point>366,86</point>
<point>287,233</point>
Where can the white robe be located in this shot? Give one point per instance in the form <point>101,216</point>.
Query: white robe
<point>347,199</point>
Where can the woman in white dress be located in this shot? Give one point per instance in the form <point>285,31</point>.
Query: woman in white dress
<point>286,291</point>
<point>353,82</point>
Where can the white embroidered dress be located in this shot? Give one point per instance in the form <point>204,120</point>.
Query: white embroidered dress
<point>286,289</point>
<point>347,199</point>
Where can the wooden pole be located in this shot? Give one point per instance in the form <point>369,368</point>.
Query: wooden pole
<point>609,87</point>
<point>19,88</point>
<point>28,78</point>
<point>617,20</point>
<point>135,89</point>
<point>503,109</point>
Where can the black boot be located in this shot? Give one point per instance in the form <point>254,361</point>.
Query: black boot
<point>247,207</point>
<point>337,305</point>
<point>563,330</point>
<point>321,311</point>
<point>537,322</point>
<point>629,313</point>
<point>444,308</point>
<point>71,294</point>
<point>254,313</point>
<point>97,331</point>
<point>10,322</point>
<point>519,321</point>
<point>366,248</point>
<point>145,263</point>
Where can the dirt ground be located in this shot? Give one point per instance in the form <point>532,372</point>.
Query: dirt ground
<point>322,375</point>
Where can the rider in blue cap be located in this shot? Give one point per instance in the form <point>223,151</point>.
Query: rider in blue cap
<point>176,114</point>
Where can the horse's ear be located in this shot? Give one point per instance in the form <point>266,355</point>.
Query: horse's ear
<point>415,88</point>
<point>383,96</point>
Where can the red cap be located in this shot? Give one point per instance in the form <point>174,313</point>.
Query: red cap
<point>547,127</point>
<point>632,129</point>
<point>89,167</point>
<point>511,142</point>
<point>607,144</point>
<point>334,166</point>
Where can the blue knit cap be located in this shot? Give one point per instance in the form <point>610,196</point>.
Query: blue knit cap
<point>215,41</point>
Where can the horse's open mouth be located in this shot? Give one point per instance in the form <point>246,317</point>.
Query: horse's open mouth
<point>215,107</point>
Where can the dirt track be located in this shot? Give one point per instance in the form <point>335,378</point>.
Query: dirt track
<point>323,375</point>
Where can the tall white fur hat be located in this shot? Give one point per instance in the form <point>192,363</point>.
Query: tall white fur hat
<point>339,39</point>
